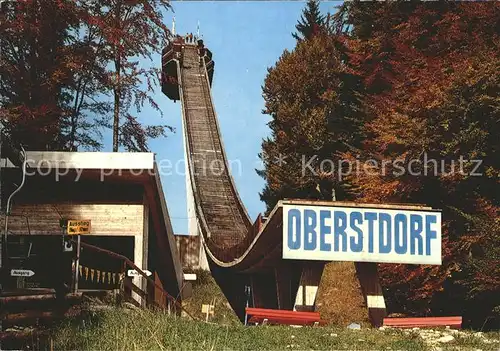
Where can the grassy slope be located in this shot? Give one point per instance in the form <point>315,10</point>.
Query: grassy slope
<point>206,291</point>
<point>339,297</point>
<point>122,329</point>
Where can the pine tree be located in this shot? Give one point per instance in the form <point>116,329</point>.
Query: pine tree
<point>311,22</point>
<point>306,95</point>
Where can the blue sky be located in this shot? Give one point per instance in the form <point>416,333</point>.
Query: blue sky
<point>246,38</point>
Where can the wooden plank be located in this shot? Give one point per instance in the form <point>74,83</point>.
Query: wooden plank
<point>119,220</point>
<point>24,298</point>
<point>271,316</point>
<point>283,277</point>
<point>130,285</point>
<point>423,322</point>
<point>31,315</point>
<point>367,273</point>
<point>28,292</point>
<point>159,297</point>
<point>24,334</point>
<point>355,204</point>
<point>253,311</point>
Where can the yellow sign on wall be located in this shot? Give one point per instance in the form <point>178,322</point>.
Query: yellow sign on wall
<point>78,227</point>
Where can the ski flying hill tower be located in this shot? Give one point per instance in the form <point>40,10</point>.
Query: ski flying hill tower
<point>244,258</point>
<point>171,56</point>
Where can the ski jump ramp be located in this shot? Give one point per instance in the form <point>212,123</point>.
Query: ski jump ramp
<point>243,257</point>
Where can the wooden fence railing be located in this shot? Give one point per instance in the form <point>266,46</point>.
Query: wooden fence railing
<point>131,287</point>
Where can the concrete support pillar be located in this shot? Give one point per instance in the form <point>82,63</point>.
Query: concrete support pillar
<point>191,208</point>
<point>193,227</point>
<point>202,256</point>
<point>233,286</point>
<point>367,273</point>
<point>308,286</point>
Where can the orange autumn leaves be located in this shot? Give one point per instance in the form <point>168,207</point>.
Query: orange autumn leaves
<point>408,82</point>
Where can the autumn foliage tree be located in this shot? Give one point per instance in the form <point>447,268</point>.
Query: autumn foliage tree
<point>130,31</point>
<point>63,59</point>
<point>432,90</point>
<point>306,94</point>
<point>428,94</point>
<point>35,69</point>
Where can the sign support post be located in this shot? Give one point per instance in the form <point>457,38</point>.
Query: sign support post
<point>77,262</point>
<point>367,273</point>
<point>78,227</point>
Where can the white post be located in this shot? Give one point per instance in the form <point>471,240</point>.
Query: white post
<point>308,287</point>
<point>138,261</point>
<point>77,263</point>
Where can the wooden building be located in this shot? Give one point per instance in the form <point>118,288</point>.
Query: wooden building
<point>122,197</point>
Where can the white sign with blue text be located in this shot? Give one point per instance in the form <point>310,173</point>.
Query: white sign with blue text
<point>361,234</point>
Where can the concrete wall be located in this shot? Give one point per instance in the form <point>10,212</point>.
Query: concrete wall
<point>191,252</point>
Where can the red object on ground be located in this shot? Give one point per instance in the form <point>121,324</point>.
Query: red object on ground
<point>424,322</point>
<point>269,316</point>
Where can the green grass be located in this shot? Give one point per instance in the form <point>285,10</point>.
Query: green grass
<point>206,291</point>
<point>339,300</point>
<point>122,329</point>
<point>115,328</point>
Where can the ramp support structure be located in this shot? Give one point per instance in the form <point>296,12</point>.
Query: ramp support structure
<point>367,273</point>
<point>307,291</point>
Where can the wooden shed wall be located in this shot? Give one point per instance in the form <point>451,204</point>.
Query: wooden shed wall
<point>108,219</point>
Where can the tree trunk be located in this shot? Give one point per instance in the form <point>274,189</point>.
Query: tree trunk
<point>116,90</point>
<point>116,120</point>
<point>117,93</point>
<point>116,114</point>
